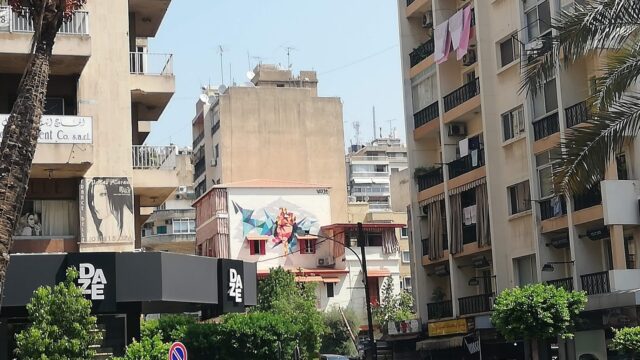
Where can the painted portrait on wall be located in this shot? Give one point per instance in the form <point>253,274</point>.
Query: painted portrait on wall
<point>106,211</point>
<point>30,221</point>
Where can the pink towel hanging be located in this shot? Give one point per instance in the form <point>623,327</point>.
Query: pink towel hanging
<point>465,36</point>
<point>455,28</point>
<point>442,42</point>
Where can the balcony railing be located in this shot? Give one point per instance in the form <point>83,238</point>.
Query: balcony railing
<point>565,283</point>
<point>199,168</point>
<point>596,283</point>
<point>421,52</point>
<point>154,157</point>
<point>198,155</point>
<point>425,115</point>
<point>143,63</point>
<point>591,198</point>
<point>215,128</point>
<point>547,210</point>
<point>462,94</point>
<point>369,158</point>
<point>198,139</point>
<point>475,304</point>
<point>365,174</point>
<point>546,126</point>
<point>430,179</point>
<point>439,310</point>
<point>465,164</point>
<point>21,22</point>
<point>576,114</point>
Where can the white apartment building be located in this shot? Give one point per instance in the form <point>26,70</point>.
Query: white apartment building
<point>484,214</point>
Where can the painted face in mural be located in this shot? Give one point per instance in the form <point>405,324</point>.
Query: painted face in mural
<point>284,228</point>
<point>101,202</point>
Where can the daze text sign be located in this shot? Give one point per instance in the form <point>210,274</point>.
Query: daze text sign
<point>60,129</point>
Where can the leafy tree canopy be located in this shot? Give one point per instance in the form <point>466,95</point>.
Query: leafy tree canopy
<point>149,348</point>
<point>393,307</point>
<point>336,339</point>
<point>626,341</point>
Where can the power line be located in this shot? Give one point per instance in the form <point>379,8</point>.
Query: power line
<point>318,243</point>
<point>360,60</point>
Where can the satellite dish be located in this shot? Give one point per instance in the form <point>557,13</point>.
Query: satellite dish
<point>222,89</point>
<point>204,98</point>
<point>250,75</point>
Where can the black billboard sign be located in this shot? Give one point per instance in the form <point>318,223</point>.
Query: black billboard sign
<point>231,285</point>
<point>97,278</point>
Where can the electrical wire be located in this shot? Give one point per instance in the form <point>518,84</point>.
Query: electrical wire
<point>317,243</point>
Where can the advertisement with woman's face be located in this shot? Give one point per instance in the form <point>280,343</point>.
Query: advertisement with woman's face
<point>29,223</point>
<point>106,210</point>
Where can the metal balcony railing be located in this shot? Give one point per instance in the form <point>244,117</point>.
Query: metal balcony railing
<point>199,168</point>
<point>564,283</point>
<point>154,157</point>
<point>547,211</point>
<point>365,174</point>
<point>198,139</point>
<point>21,21</point>
<point>439,310</point>
<point>462,94</point>
<point>475,304</point>
<point>546,126</point>
<point>425,115</point>
<point>465,164</point>
<point>430,179</point>
<point>576,114</point>
<point>596,283</point>
<point>198,155</point>
<point>591,198</point>
<point>369,158</point>
<point>143,63</point>
<point>422,52</point>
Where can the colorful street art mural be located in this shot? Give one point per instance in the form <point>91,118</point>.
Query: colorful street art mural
<point>280,225</point>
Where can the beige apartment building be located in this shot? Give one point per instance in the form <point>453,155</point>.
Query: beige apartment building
<point>274,127</point>
<point>484,214</point>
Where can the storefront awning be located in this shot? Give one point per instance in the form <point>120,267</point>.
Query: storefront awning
<point>439,344</point>
<point>378,272</point>
<point>308,278</point>
<point>332,280</point>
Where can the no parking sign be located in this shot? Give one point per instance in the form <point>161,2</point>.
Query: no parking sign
<point>177,351</point>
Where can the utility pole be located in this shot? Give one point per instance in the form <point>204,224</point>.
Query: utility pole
<point>372,354</point>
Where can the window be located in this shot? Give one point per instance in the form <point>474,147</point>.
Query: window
<point>525,270</point>
<point>519,197</point>
<point>544,167</point>
<point>184,226</point>
<point>330,290</point>
<point>404,232</point>
<point>381,168</point>
<point>469,76</point>
<point>509,50</point>
<point>374,239</point>
<point>54,106</point>
<point>423,93</point>
<point>546,100</point>
<point>538,17</point>
<point>513,123</point>
<point>406,256</point>
<point>621,166</point>
<point>48,218</point>
<point>162,229</point>
<point>307,246</point>
<point>257,247</point>
<point>216,151</point>
<point>406,282</point>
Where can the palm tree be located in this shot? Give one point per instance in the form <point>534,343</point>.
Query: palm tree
<point>23,126</point>
<point>609,29</point>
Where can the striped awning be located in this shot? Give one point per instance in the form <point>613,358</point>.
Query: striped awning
<point>432,199</point>
<point>467,186</point>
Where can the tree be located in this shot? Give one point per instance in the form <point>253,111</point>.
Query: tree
<point>393,307</point>
<point>626,341</point>
<point>21,132</point>
<point>537,312</point>
<point>61,325</point>
<point>149,348</point>
<point>608,29</point>
<point>336,339</point>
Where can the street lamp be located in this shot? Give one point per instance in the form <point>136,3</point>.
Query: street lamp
<point>549,266</point>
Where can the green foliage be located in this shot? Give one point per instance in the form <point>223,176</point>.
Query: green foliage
<point>336,339</point>
<point>149,348</point>
<point>626,341</point>
<point>172,327</point>
<point>61,325</point>
<point>537,311</point>
<point>393,307</point>
<point>202,340</point>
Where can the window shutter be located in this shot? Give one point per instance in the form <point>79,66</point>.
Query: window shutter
<point>263,245</point>
<point>251,248</point>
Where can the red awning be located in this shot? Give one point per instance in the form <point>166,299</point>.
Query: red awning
<point>309,279</point>
<point>378,272</point>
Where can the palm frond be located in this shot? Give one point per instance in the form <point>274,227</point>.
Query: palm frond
<point>589,148</point>
<point>621,70</point>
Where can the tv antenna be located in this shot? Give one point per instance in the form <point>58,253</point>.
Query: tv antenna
<point>289,49</point>
<point>221,51</point>
<point>356,127</point>
<point>390,121</point>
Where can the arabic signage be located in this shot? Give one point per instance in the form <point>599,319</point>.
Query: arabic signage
<point>450,327</point>
<point>60,129</point>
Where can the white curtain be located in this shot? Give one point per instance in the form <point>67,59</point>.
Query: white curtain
<point>59,217</point>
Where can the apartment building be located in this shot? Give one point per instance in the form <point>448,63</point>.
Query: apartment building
<point>273,127</point>
<point>93,181</point>
<point>484,214</point>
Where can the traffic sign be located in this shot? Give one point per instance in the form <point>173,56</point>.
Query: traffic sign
<point>177,351</point>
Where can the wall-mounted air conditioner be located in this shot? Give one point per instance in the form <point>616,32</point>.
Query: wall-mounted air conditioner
<point>427,19</point>
<point>470,58</point>
<point>326,262</point>
<point>457,129</point>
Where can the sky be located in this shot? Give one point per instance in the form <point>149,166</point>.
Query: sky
<point>352,44</point>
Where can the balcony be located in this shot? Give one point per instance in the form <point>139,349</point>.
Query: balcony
<point>462,94</point>
<point>215,128</point>
<point>591,198</point>
<point>147,16</point>
<point>439,310</point>
<point>475,304</point>
<point>416,8</point>
<point>547,210</point>
<point>430,179</point>
<point>70,54</point>
<point>152,83</point>
<point>369,174</point>
<point>596,283</point>
<point>465,164</point>
<point>154,173</point>
<point>565,283</point>
<point>576,114</point>
<point>425,115</point>
<point>546,126</point>
<point>198,140</point>
<point>421,52</point>
<point>369,159</point>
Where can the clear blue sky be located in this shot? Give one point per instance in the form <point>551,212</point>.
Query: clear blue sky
<point>352,44</point>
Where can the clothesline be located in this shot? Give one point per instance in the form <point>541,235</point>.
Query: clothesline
<point>453,34</point>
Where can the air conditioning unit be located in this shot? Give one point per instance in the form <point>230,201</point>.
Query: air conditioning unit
<point>424,210</point>
<point>470,58</point>
<point>182,189</point>
<point>326,262</point>
<point>457,129</point>
<point>427,19</point>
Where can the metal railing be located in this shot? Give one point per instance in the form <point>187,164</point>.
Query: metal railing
<point>576,114</point>
<point>596,283</point>
<point>564,283</point>
<point>198,139</point>
<point>475,304</point>
<point>591,198</point>
<point>199,168</point>
<point>198,155</point>
<point>369,158</point>
<point>154,157</point>
<point>422,52</point>
<point>425,115</point>
<point>547,211</point>
<point>370,174</point>
<point>21,21</point>
<point>379,206</point>
<point>370,190</point>
<point>462,94</point>
<point>430,179</point>
<point>143,63</point>
<point>546,126</point>
<point>439,310</point>
<point>465,164</point>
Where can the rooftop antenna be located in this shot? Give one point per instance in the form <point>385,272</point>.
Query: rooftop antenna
<point>390,130</point>
<point>374,124</point>
<point>221,51</point>
<point>289,49</point>
<point>356,127</point>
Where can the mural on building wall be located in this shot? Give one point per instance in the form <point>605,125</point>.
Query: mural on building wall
<point>106,210</point>
<point>280,224</point>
